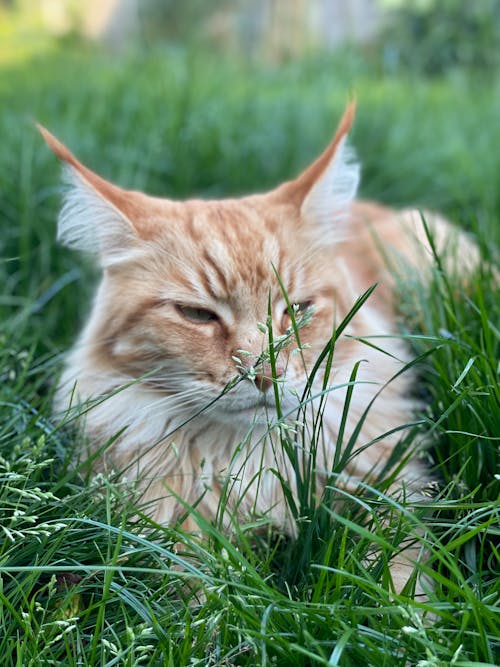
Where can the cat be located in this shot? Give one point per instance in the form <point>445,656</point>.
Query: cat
<point>172,367</point>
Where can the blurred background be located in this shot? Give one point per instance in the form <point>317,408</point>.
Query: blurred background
<point>429,36</point>
<point>222,97</point>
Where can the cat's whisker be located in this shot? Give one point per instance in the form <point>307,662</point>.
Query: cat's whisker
<point>185,399</point>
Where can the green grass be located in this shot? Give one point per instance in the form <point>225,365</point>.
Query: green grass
<point>82,584</point>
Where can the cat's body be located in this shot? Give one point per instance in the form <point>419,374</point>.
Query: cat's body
<point>184,286</point>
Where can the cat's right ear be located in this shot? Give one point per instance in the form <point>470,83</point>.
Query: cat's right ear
<point>324,192</point>
<point>96,216</point>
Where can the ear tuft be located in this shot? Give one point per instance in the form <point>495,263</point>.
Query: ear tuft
<point>56,146</point>
<point>328,201</point>
<point>91,224</point>
<point>92,217</point>
<point>324,191</point>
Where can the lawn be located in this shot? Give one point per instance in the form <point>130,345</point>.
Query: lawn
<point>83,584</point>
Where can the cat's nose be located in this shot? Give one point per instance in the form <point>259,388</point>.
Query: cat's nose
<point>264,376</point>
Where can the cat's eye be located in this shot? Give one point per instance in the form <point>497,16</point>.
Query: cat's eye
<point>198,315</point>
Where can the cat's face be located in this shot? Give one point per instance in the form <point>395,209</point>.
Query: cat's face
<point>188,314</point>
<point>188,286</point>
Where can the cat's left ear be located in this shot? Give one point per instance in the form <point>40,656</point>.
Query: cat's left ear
<point>326,189</point>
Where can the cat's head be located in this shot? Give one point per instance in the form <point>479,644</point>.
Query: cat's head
<point>186,284</point>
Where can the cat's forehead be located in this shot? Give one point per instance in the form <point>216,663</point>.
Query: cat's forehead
<point>228,247</point>
<point>227,232</point>
<point>237,223</point>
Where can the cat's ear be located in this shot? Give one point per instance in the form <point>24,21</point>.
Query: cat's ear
<point>97,216</point>
<point>326,189</point>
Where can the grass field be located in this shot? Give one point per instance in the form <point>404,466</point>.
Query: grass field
<point>80,583</point>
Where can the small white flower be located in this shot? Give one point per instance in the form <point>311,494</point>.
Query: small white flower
<point>109,645</point>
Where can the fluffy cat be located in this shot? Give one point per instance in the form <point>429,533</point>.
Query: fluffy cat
<point>175,321</point>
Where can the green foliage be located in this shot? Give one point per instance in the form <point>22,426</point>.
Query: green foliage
<point>436,36</point>
<point>85,577</point>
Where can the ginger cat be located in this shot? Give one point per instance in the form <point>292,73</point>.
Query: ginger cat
<point>174,322</point>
